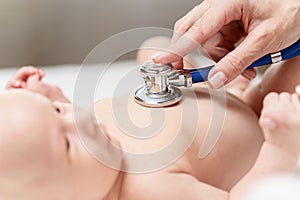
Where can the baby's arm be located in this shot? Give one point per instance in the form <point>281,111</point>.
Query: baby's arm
<point>170,185</point>
<point>280,121</point>
<point>271,160</point>
<point>30,78</point>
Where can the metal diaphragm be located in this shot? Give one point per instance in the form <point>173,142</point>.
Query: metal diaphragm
<point>144,98</point>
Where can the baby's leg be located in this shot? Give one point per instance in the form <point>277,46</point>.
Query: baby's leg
<point>280,120</point>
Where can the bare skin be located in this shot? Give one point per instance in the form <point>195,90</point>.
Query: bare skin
<point>189,165</point>
<point>240,156</point>
<point>43,156</point>
<point>281,77</point>
<point>219,25</point>
<point>239,144</point>
<point>280,116</point>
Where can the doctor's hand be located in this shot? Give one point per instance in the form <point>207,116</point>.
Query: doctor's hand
<point>217,25</point>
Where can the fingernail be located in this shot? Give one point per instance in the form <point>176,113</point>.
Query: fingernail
<point>217,80</point>
<point>156,55</point>
<point>298,89</point>
<point>268,123</point>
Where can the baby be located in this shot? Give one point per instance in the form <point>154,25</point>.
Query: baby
<point>43,157</point>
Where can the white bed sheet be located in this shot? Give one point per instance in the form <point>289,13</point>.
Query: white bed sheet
<point>65,76</point>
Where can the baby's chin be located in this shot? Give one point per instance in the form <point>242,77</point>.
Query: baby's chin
<point>102,146</point>
<point>113,147</point>
<point>110,137</point>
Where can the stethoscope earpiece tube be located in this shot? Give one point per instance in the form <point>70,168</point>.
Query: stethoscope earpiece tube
<point>287,53</point>
<point>201,74</point>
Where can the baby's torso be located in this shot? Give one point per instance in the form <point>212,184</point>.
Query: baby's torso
<point>228,142</point>
<point>215,138</point>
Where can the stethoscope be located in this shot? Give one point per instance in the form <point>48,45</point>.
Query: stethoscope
<point>161,82</point>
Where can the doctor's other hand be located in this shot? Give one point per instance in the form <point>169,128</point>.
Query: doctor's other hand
<point>266,27</point>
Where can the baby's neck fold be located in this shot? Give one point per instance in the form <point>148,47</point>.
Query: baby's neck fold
<point>116,189</point>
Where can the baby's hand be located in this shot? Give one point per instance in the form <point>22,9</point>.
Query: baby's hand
<point>30,78</point>
<point>280,120</point>
<point>19,79</point>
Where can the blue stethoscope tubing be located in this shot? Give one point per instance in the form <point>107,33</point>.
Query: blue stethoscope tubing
<point>201,74</point>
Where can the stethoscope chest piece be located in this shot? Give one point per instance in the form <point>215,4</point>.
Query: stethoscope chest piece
<point>162,81</point>
<point>143,97</point>
<point>157,92</point>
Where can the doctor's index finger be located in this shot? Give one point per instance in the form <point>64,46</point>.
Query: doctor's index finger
<point>178,49</point>
<point>209,23</point>
<point>186,22</point>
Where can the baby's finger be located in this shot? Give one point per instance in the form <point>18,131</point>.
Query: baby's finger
<point>13,84</point>
<point>9,85</point>
<point>33,83</point>
<point>267,123</point>
<point>296,101</point>
<point>298,90</point>
<point>41,73</point>
<point>23,73</point>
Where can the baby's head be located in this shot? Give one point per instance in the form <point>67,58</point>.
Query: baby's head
<point>42,156</point>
